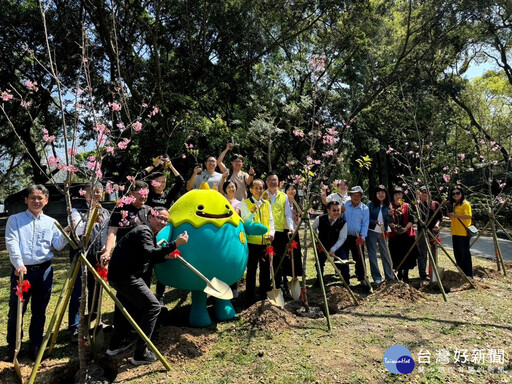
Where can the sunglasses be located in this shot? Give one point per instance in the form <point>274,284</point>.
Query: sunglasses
<point>456,193</point>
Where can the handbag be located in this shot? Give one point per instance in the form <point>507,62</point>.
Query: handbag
<point>471,230</point>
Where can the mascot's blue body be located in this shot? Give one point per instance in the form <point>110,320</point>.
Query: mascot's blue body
<point>217,247</point>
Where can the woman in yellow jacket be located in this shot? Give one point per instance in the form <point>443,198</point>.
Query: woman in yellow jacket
<point>461,220</point>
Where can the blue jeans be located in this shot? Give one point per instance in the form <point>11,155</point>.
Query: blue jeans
<point>372,240</point>
<point>41,282</point>
<point>462,254</point>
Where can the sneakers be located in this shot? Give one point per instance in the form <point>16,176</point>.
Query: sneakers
<point>117,348</point>
<point>146,357</point>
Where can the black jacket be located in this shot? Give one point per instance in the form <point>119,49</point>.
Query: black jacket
<point>135,253</point>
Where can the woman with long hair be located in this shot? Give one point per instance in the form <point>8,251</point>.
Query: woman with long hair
<point>402,237</point>
<point>379,207</point>
<point>461,219</point>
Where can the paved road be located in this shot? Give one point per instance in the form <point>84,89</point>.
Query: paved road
<point>483,247</point>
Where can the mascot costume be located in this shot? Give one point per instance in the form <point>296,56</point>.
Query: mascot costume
<point>217,247</point>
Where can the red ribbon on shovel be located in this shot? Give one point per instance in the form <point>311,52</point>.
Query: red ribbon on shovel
<point>270,251</point>
<point>102,271</point>
<point>25,286</point>
<point>292,247</point>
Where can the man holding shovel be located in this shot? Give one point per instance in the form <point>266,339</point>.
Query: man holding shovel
<point>29,238</point>
<point>332,232</point>
<point>357,216</point>
<point>258,210</point>
<point>131,259</point>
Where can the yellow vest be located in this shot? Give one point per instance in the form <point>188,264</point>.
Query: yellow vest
<point>278,211</point>
<point>262,216</point>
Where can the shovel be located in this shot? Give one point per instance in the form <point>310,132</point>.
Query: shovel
<point>214,287</point>
<point>294,284</point>
<point>19,317</point>
<point>98,337</point>
<point>361,255</point>
<point>275,295</point>
<point>387,249</point>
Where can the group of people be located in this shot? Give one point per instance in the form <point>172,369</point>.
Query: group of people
<point>125,240</point>
<point>387,223</point>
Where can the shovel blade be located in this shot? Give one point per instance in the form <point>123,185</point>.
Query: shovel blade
<point>276,297</point>
<point>17,368</point>
<point>294,287</point>
<point>219,289</point>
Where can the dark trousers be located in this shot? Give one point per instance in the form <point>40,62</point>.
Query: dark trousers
<point>279,243</point>
<point>350,246</point>
<point>140,303</point>
<point>462,254</point>
<point>41,282</point>
<point>257,257</point>
<point>344,269</point>
<point>76,296</point>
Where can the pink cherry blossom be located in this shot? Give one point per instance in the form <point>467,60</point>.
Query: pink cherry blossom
<point>72,151</point>
<point>99,173</point>
<point>154,111</point>
<point>462,156</point>
<point>298,132</point>
<point>155,184</point>
<point>72,169</point>
<point>123,144</point>
<point>82,192</point>
<point>109,188</point>
<point>110,150</point>
<point>447,178</point>
<point>183,156</point>
<point>31,85</point>
<point>25,104</point>
<point>6,95</point>
<point>137,126</point>
<point>143,192</point>
<point>114,106</point>
<point>52,161</point>
<point>120,126</point>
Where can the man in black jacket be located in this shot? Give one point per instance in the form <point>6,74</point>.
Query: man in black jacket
<point>332,232</point>
<point>135,253</point>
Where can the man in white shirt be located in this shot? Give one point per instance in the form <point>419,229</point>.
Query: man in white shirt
<point>258,210</point>
<point>29,238</point>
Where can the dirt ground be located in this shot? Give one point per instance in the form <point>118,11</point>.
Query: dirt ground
<point>396,313</point>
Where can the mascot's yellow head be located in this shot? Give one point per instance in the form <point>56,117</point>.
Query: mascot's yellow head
<point>202,206</point>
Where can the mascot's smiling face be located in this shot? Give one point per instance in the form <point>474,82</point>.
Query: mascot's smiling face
<point>201,206</point>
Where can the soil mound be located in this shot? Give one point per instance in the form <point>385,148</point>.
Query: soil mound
<point>453,282</point>
<point>398,291</point>
<point>486,273</point>
<point>268,317</point>
<point>338,298</point>
<point>179,343</point>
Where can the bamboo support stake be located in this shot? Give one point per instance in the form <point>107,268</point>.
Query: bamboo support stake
<point>338,272</point>
<point>419,236</point>
<point>320,277</point>
<point>485,226</point>
<point>451,259</point>
<point>61,310</point>
<point>128,317</point>
<point>497,250</point>
<point>434,267</point>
